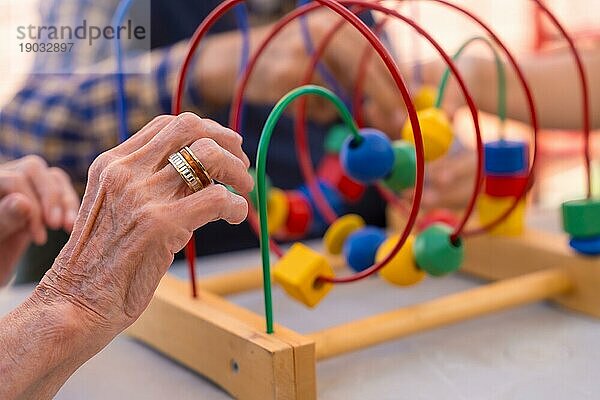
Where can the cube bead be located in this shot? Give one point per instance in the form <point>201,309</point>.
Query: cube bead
<point>297,273</point>
<point>331,172</point>
<point>436,131</point>
<point>404,172</point>
<point>401,270</point>
<point>299,216</point>
<point>435,253</point>
<point>425,98</point>
<point>370,159</point>
<point>506,157</point>
<point>361,246</point>
<point>490,208</point>
<point>581,218</point>
<point>277,210</point>
<point>339,231</point>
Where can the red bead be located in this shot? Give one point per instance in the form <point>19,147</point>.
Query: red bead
<point>299,215</point>
<point>331,172</point>
<point>504,185</point>
<point>438,216</point>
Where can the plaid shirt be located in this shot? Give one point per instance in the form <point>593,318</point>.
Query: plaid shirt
<point>69,119</point>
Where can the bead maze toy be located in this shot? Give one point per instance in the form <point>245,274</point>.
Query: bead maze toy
<point>252,357</point>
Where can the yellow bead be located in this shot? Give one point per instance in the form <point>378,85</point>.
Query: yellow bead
<point>297,274</point>
<point>277,210</point>
<point>425,98</point>
<point>401,270</point>
<point>490,208</point>
<point>436,131</point>
<point>339,231</point>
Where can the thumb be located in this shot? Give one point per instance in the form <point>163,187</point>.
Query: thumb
<point>15,212</point>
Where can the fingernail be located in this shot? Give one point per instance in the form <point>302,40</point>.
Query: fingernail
<point>55,217</point>
<point>71,217</point>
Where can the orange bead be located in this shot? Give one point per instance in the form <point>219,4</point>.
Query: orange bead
<point>401,270</point>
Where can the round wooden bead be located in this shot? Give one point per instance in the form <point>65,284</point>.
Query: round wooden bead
<point>331,171</point>
<point>440,215</point>
<point>505,185</point>
<point>299,216</point>
<point>506,157</point>
<point>277,210</point>
<point>361,246</point>
<point>333,199</point>
<point>587,246</point>
<point>339,231</point>
<point>491,208</point>
<point>369,160</point>
<point>404,172</point>
<point>436,131</point>
<point>335,138</point>
<point>425,98</point>
<point>581,218</point>
<point>401,270</point>
<point>435,253</point>
<point>253,195</point>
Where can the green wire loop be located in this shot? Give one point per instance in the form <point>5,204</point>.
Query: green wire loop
<point>499,70</point>
<point>261,173</point>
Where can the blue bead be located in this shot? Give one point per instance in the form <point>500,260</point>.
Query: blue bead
<point>506,157</point>
<point>361,247</point>
<point>371,159</point>
<point>334,199</point>
<point>587,246</point>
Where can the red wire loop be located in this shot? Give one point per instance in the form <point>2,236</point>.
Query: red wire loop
<point>585,93</point>
<point>388,60</point>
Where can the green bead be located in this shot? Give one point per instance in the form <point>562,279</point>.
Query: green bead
<point>581,218</point>
<point>435,253</point>
<point>335,138</point>
<point>403,174</point>
<point>254,193</point>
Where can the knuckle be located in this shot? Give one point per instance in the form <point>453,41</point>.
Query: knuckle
<point>162,119</point>
<point>211,149</point>
<point>189,120</point>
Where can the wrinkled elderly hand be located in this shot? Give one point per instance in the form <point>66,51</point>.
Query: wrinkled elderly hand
<point>137,213</point>
<point>33,198</point>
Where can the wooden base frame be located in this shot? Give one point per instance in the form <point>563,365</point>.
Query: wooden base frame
<point>227,343</point>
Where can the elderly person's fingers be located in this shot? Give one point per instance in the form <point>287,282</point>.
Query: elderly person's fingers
<point>48,191</point>
<point>208,205</point>
<point>69,198</point>
<point>187,128</point>
<point>15,212</point>
<point>15,182</point>
<point>221,165</point>
<point>145,134</point>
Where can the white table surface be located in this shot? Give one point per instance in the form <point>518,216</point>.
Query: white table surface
<point>534,352</point>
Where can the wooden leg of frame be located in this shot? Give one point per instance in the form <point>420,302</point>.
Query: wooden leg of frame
<point>439,312</point>
<point>227,344</point>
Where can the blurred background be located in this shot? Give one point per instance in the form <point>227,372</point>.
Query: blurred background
<point>516,21</point>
